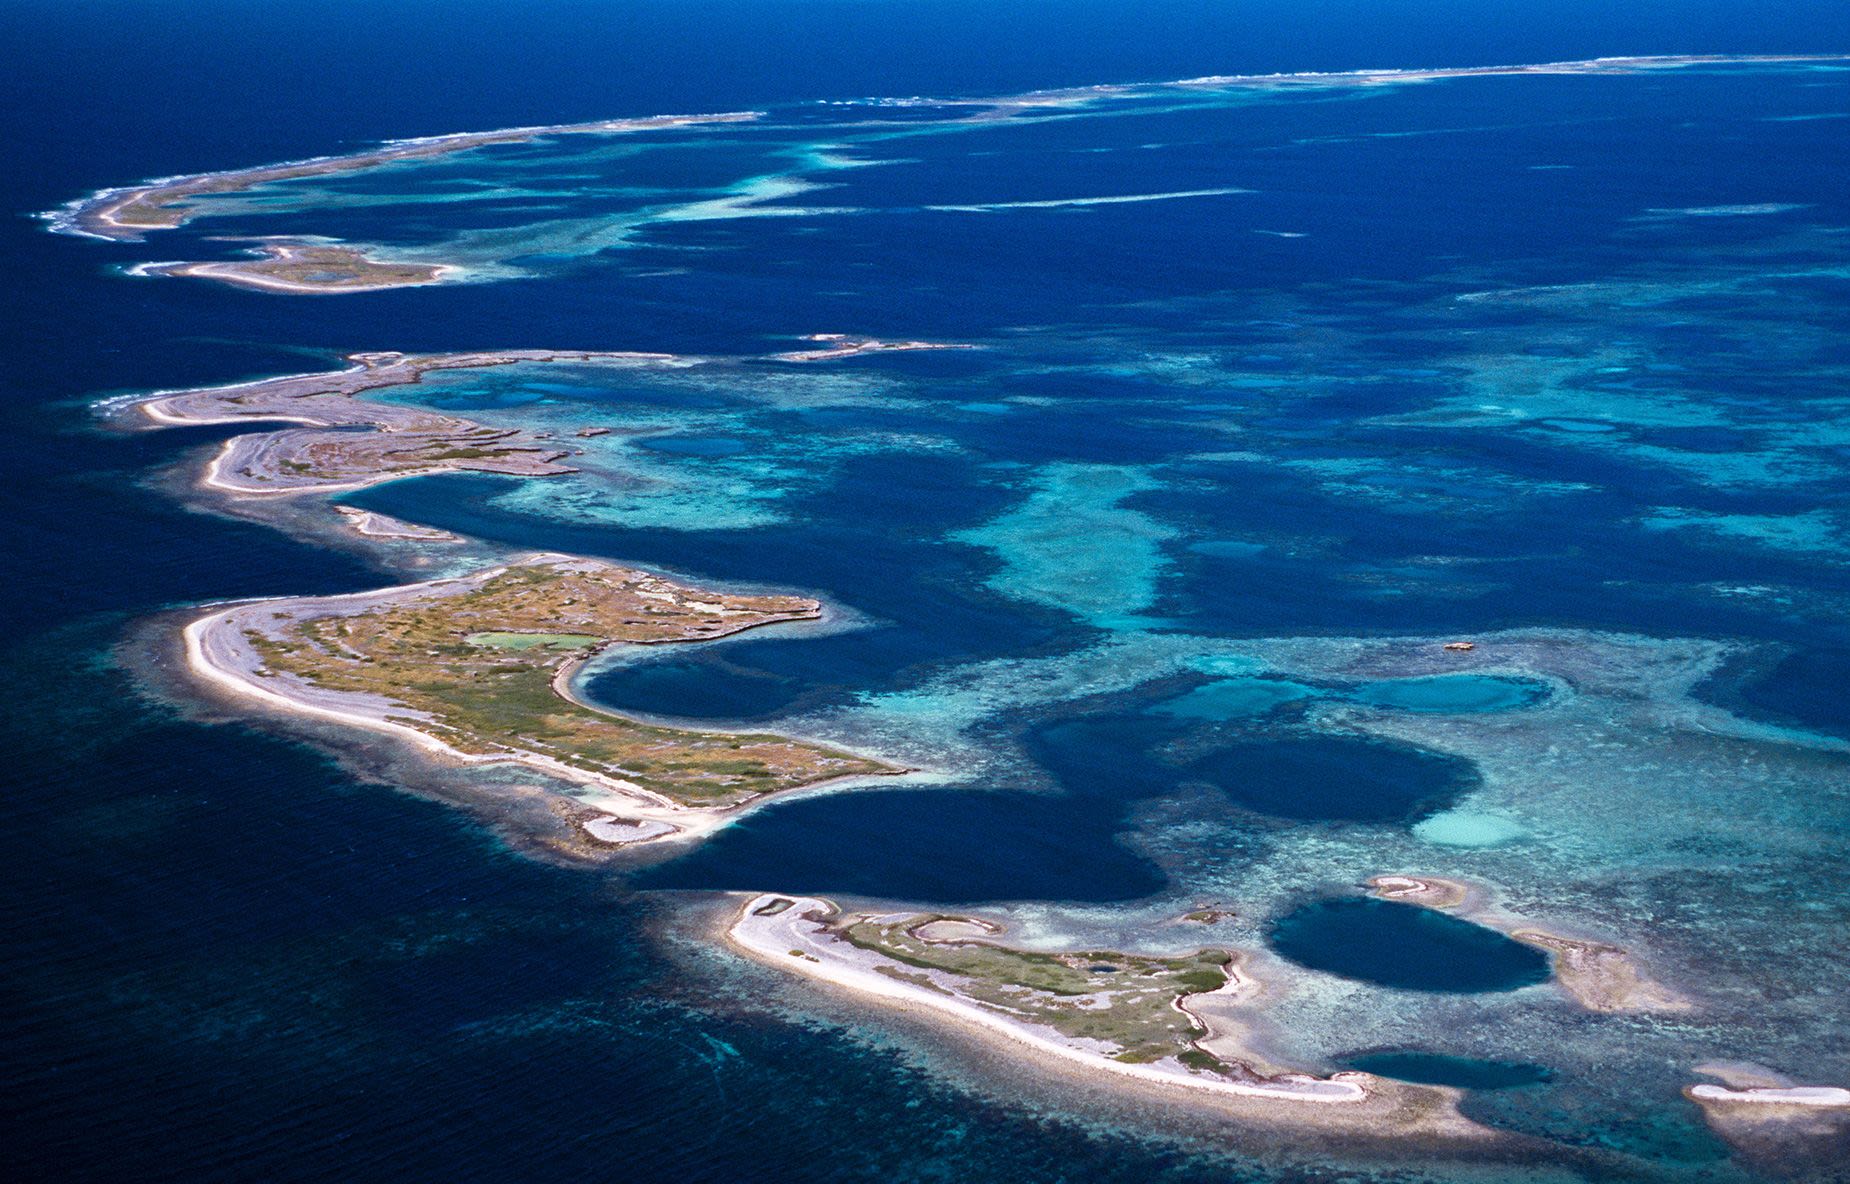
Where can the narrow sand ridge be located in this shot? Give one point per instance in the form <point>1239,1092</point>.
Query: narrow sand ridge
<point>1814,1096</point>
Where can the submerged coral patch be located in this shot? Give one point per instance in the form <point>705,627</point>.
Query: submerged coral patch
<point>1451,694</point>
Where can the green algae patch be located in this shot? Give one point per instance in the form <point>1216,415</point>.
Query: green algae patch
<point>529,641</point>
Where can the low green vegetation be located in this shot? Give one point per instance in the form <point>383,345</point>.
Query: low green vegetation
<point>528,641</point>
<point>1127,1001</point>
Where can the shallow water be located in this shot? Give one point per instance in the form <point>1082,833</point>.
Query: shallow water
<point>1430,1068</point>
<point>1451,694</point>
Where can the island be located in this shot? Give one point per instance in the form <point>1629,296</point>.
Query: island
<point>131,212</point>
<point>329,456</point>
<point>1798,1130</point>
<point>305,268</point>
<point>478,668</point>
<point>1139,1018</point>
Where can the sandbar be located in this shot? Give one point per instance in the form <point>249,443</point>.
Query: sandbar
<point>383,526</point>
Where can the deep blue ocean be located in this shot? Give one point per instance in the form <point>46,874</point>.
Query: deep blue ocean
<point>1565,355</point>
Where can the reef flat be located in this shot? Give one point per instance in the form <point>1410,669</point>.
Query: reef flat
<point>327,456</point>
<point>478,667</point>
<point>132,212</point>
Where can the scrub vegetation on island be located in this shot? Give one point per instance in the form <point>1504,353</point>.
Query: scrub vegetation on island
<point>481,664</point>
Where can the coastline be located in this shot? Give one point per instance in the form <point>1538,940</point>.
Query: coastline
<point>1603,1080</point>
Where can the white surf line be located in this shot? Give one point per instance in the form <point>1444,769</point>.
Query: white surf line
<point>1059,202</point>
<point>1386,75</point>
<point>788,941</point>
<point>1605,65</point>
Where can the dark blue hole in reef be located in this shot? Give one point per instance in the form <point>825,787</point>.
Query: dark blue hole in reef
<point>1305,778</point>
<point>1405,946</point>
<point>1335,778</point>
